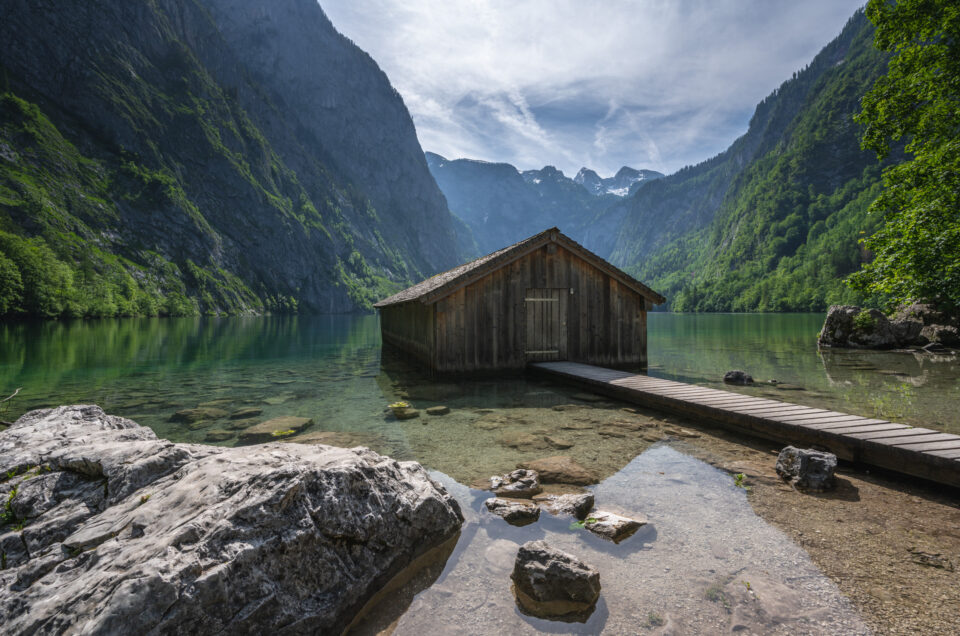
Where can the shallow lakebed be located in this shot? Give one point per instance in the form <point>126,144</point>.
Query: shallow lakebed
<point>714,557</point>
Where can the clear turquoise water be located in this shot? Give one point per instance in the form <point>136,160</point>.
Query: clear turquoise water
<point>329,368</point>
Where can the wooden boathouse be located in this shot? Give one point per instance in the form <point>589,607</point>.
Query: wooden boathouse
<point>544,298</point>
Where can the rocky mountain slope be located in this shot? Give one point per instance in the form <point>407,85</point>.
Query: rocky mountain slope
<point>184,156</point>
<point>772,223</point>
<point>501,205</point>
<point>626,181</point>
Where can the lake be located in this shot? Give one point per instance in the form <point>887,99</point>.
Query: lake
<point>706,563</point>
<point>329,368</point>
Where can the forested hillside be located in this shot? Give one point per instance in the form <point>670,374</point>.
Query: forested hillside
<point>774,222</point>
<point>203,156</point>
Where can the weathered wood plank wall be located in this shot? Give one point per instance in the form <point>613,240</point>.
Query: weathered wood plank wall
<point>410,328</point>
<point>483,326</point>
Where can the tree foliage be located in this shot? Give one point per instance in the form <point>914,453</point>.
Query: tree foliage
<point>917,249</point>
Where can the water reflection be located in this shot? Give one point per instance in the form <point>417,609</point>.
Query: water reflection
<point>706,564</point>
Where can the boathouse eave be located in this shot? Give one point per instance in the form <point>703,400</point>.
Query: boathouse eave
<point>436,288</point>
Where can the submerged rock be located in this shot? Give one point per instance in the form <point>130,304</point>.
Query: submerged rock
<point>438,410</point>
<point>127,533</point>
<point>275,429</point>
<point>612,526</point>
<point>737,377</point>
<point>550,583</point>
<point>407,413</point>
<point>191,416</point>
<point>246,413</point>
<point>576,505</point>
<point>514,511</point>
<point>560,469</point>
<point>519,483</point>
<point>218,436</point>
<point>808,469</point>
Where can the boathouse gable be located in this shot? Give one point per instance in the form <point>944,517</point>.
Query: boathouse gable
<point>545,298</point>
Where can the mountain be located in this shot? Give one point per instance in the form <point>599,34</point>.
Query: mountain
<point>626,181</point>
<point>184,156</point>
<point>500,205</point>
<point>773,222</point>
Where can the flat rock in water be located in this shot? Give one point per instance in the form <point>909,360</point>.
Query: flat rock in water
<point>343,439</point>
<point>438,410</point>
<point>560,469</point>
<point>275,429</point>
<point>612,526</point>
<point>245,413</point>
<point>519,483</point>
<point>198,414</point>
<point>218,436</point>
<point>558,442</point>
<point>550,583</point>
<point>575,505</point>
<point>406,414</point>
<point>516,512</point>
<point>239,425</point>
<point>125,533</point>
<point>524,441</point>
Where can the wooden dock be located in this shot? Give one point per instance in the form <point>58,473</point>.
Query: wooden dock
<point>920,452</point>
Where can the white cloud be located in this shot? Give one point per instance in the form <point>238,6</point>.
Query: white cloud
<point>648,83</point>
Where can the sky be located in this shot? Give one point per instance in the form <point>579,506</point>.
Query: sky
<point>656,84</point>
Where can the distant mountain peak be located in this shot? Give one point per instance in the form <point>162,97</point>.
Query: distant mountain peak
<point>625,182</point>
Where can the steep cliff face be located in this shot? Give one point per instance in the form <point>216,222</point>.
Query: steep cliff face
<point>773,223</point>
<point>204,155</point>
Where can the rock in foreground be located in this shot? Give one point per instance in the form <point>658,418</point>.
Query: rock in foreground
<point>550,583</point>
<point>519,483</point>
<point>517,512</point>
<point>612,526</point>
<point>808,469</point>
<point>126,533</point>
<point>576,505</point>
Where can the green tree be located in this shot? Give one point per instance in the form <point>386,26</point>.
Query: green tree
<point>917,249</point>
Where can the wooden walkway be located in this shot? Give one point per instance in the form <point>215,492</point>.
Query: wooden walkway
<point>920,452</point>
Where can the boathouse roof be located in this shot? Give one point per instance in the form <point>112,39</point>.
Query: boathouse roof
<point>441,285</point>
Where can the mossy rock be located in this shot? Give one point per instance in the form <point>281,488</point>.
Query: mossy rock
<point>277,428</point>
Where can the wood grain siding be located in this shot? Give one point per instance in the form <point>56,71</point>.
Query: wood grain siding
<point>410,328</point>
<point>594,319</point>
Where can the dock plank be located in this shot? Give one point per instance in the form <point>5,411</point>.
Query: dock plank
<point>919,452</point>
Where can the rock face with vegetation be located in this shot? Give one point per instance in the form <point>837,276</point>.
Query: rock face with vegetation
<point>107,529</point>
<point>914,325</point>
<point>774,222</point>
<point>185,156</point>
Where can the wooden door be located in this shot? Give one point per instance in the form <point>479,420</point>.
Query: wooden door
<point>546,324</point>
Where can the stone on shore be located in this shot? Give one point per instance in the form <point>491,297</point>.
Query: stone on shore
<point>519,483</point>
<point>575,505</point>
<point>737,377</point>
<point>550,583</point>
<point>612,526</point>
<point>126,533</point>
<point>560,469</point>
<point>517,512</point>
<point>809,469</point>
<point>275,429</point>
